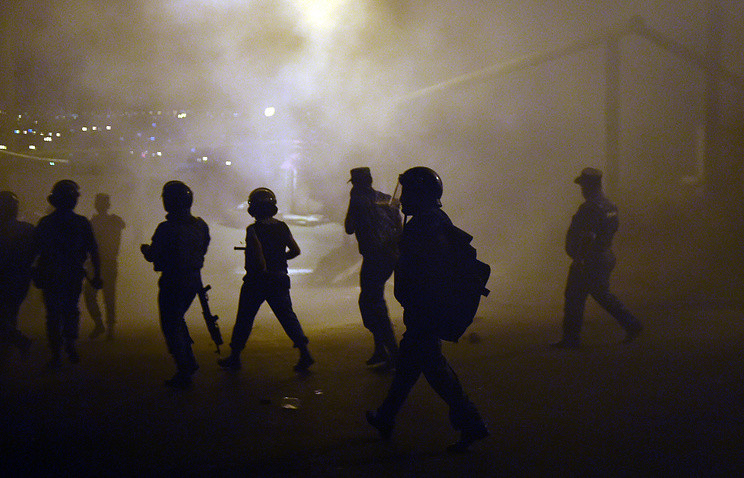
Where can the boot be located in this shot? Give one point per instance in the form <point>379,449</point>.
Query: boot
<point>305,360</point>
<point>56,360</point>
<point>110,332</point>
<point>72,352</point>
<point>232,362</point>
<point>97,331</point>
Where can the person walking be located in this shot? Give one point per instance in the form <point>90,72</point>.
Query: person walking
<point>377,225</point>
<point>107,229</point>
<point>177,251</point>
<point>16,257</point>
<point>589,244</point>
<point>419,281</point>
<point>269,245</point>
<point>64,240</point>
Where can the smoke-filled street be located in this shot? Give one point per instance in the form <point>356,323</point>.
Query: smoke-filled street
<point>588,147</point>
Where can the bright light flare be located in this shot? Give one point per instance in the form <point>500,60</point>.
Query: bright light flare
<point>269,111</point>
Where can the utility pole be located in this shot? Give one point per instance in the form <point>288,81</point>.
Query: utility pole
<point>715,167</point>
<point>612,113</point>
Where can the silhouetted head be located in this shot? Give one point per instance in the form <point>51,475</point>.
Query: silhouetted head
<point>361,177</point>
<point>262,203</point>
<point>64,194</point>
<point>102,203</point>
<point>177,197</point>
<point>8,206</point>
<point>590,181</point>
<point>421,189</point>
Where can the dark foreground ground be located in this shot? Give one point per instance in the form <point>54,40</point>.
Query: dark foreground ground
<point>669,404</point>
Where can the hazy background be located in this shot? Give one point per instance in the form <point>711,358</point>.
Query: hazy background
<point>341,75</point>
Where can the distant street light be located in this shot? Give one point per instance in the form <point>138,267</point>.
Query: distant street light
<point>269,111</point>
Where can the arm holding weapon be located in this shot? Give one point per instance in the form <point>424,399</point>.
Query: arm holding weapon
<point>209,318</point>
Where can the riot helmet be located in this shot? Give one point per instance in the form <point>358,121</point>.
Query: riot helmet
<point>64,195</point>
<point>262,203</point>
<point>421,188</point>
<point>177,196</point>
<point>8,205</point>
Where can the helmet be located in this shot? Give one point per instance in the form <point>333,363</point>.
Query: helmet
<point>262,203</point>
<point>422,184</point>
<point>262,195</point>
<point>64,194</point>
<point>8,205</point>
<point>177,196</point>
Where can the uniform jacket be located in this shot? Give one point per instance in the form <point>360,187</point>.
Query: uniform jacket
<point>179,244</point>
<point>421,268</point>
<point>589,237</point>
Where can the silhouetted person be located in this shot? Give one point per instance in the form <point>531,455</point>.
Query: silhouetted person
<point>107,229</point>
<point>16,256</point>
<point>269,245</point>
<point>377,227</point>
<point>177,251</point>
<point>589,244</point>
<point>418,283</point>
<point>64,241</point>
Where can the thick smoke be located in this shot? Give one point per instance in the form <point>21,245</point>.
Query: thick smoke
<point>343,75</point>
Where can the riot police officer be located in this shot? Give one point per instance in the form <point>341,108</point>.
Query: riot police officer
<point>64,241</point>
<point>589,244</point>
<point>177,251</point>
<point>269,245</point>
<point>423,254</point>
<point>16,256</point>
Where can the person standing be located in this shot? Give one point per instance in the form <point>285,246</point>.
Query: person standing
<point>177,251</point>
<point>269,245</point>
<point>64,240</point>
<point>377,226</point>
<point>107,229</point>
<point>419,282</point>
<point>16,257</point>
<point>589,244</point>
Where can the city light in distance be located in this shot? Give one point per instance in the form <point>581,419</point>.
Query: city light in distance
<point>269,111</point>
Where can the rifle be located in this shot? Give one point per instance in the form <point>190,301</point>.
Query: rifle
<point>211,320</point>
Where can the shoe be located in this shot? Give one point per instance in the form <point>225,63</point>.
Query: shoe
<point>55,362</point>
<point>566,344</point>
<point>304,362</point>
<point>231,362</point>
<point>180,381</point>
<point>384,428</point>
<point>467,437</point>
<point>377,358</point>
<point>97,331</point>
<point>24,344</point>
<point>632,333</point>
<point>72,353</point>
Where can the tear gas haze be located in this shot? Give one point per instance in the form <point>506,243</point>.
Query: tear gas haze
<point>186,86</point>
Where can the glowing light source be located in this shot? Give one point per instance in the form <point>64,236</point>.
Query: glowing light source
<point>228,163</point>
<point>47,139</point>
<point>2,146</point>
<point>31,146</point>
<point>84,128</point>
<point>269,111</point>
<point>51,163</point>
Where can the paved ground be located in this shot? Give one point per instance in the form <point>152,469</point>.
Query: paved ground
<point>669,404</point>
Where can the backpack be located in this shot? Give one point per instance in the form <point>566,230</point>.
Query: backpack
<point>468,278</point>
<point>386,225</point>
